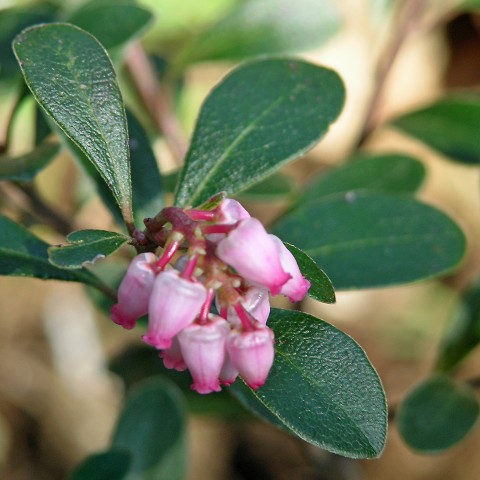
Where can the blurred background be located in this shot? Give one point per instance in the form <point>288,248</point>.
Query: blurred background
<point>65,368</point>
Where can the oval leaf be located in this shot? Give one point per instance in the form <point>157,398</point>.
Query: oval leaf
<point>252,123</point>
<point>72,78</point>
<point>259,27</point>
<point>437,414</point>
<point>86,246</point>
<point>321,288</point>
<point>152,428</point>
<point>449,126</point>
<point>112,464</point>
<point>22,254</point>
<point>23,168</point>
<point>389,173</point>
<point>113,24</point>
<point>364,240</point>
<point>323,387</point>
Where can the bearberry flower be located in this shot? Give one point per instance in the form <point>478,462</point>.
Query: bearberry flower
<point>172,357</point>
<point>174,304</point>
<point>253,254</point>
<point>134,291</point>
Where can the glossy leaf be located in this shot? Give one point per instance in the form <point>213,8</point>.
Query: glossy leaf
<point>12,22</point>
<point>366,239</point>
<point>323,387</point>
<point>437,414</point>
<point>463,335</point>
<point>252,123</point>
<point>389,173</point>
<point>111,23</point>
<point>72,78</point>
<point>86,246</point>
<point>152,428</point>
<point>449,126</point>
<point>259,27</point>
<point>321,288</point>
<point>111,465</point>
<point>275,187</point>
<point>23,168</point>
<point>22,254</point>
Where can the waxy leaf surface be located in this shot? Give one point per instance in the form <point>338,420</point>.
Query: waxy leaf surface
<point>152,428</point>
<point>86,246</point>
<point>366,239</point>
<point>72,78</point>
<point>437,414</point>
<point>262,115</point>
<point>322,387</point>
<point>111,465</point>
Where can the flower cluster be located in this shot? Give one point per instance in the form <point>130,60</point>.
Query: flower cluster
<point>217,255</point>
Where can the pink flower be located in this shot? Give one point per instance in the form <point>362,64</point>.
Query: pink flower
<point>297,287</point>
<point>134,291</point>
<point>253,254</point>
<point>174,304</point>
<point>230,211</point>
<point>229,373</point>
<point>251,353</point>
<point>203,349</point>
<point>255,301</point>
<point>172,357</point>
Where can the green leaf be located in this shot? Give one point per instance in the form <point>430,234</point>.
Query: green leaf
<point>86,246</point>
<point>12,22</point>
<point>22,254</point>
<point>152,428</point>
<point>367,239</point>
<point>389,173</point>
<point>463,335</point>
<point>321,288</point>
<point>147,183</point>
<point>437,414</point>
<point>252,123</point>
<point>113,24</point>
<point>111,465</point>
<point>259,27</point>
<point>23,168</point>
<point>449,126</point>
<point>323,387</point>
<point>275,187</point>
<point>72,78</point>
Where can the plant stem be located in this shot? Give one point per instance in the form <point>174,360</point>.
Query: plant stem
<point>156,99</point>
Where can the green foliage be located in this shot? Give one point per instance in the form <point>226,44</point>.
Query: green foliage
<point>24,168</point>
<point>83,98</point>
<point>321,288</point>
<point>387,172</point>
<point>251,124</point>
<point>449,126</point>
<point>437,414</point>
<point>22,254</point>
<point>322,387</point>
<point>86,246</point>
<point>152,428</point>
<point>111,465</point>
<point>259,27</point>
<point>368,239</point>
<point>463,335</point>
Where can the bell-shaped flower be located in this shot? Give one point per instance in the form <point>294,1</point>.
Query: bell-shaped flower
<point>297,287</point>
<point>134,291</point>
<point>251,353</point>
<point>255,301</point>
<point>203,349</point>
<point>230,211</point>
<point>174,304</point>
<point>228,373</point>
<point>253,254</point>
<point>172,357</point>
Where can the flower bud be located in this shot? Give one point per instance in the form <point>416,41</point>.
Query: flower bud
<point>172,357</point>
<point>251,353</point>
<point>134,291</point>
<point>297,287</point>
<point>203,349</point>
<point>174,304</point>
<point>253,254</point>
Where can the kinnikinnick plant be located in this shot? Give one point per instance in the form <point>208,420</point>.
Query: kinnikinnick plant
<point>200,266</point>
